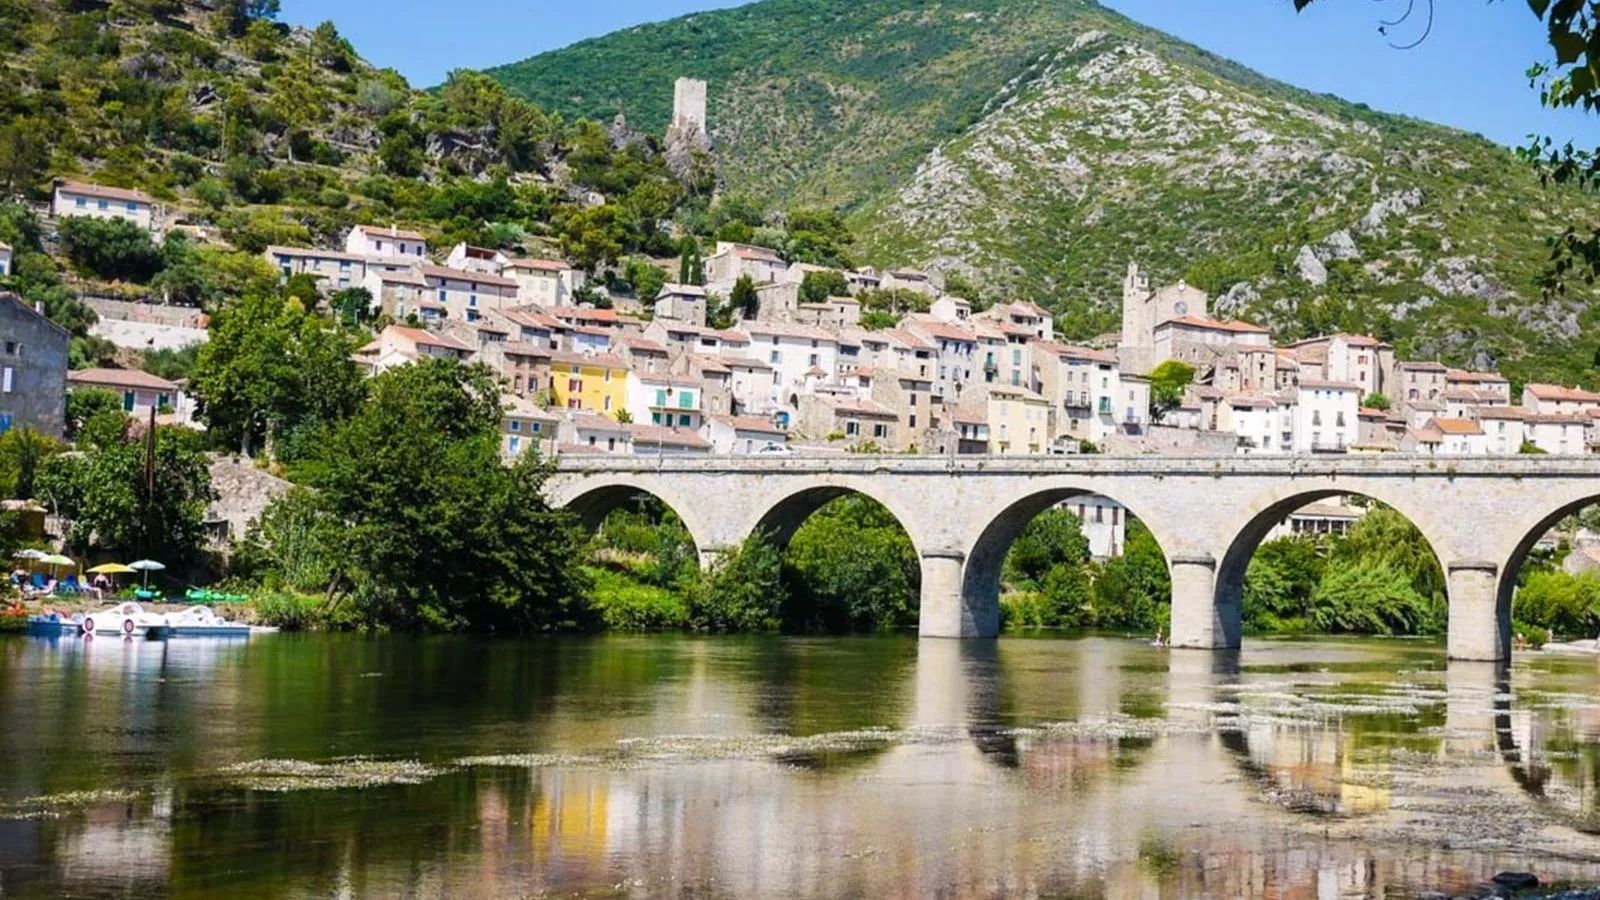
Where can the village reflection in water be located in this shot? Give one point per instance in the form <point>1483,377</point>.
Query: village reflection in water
<point>792,768</point>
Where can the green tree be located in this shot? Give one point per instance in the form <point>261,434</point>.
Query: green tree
<point>691,269</point>
<point>1371,598</point>
<point>850,567</point>
<point>743,592</point>
<point>292,544</point>
<point>269,366</point>
<point>1167,382</point>
<point>1134,590</point>
<point>593,237</point>
<point>1279,583</point>
<point>112,249</point>
<point>1054,537</point>
<point>1376,401</point>
<point>744,299</point>
<point>1564,604</point>
<point>23,452</point>
<point>330,50</point>
<point>1385,538</point>
<point>819,286</point>
<point>434,532</point>
<point>104,494</point>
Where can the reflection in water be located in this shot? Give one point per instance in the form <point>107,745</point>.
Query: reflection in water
<point>792,768</point>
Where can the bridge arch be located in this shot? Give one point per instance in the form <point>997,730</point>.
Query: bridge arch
<point>1526,535</point>
<point>591,504</point>
<point>985,558</point>
<point>1271,510</point>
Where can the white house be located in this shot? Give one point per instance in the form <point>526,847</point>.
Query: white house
<point>468,295</point>
<point>476,259</point>
<point>547,282</point>
<point>140,391</point>
<point>5,259</point>
<point>957,350</point>
<point>1256,419</point>
<point>797,353</point>
<point>398,345</point>
<point>334,271</point>
<point>1327,416</point>
<point>1553,399</point>
<point>950,308</point>
<point>743,435</point>
<point>1557,433</point>
<point>661,399</point>
<point>1503,428</point>
<point>96,201</point>
<point>1459,437</point>
<point>595,432</point>
<point>1104,522</point>
<point>392,242</point>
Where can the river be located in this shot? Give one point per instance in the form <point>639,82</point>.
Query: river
<point>340,766</point>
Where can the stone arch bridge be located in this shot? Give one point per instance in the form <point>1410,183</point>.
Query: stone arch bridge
<point>1481,515</point>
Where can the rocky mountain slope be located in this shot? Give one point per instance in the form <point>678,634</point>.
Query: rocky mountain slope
<point>1038,146</point>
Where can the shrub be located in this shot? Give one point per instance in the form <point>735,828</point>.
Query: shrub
<point>112,249</point>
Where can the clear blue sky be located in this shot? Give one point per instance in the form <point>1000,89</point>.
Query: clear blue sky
<point>1469,73</point>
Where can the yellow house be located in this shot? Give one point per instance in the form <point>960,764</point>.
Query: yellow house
<point>1018,419</point>
<point>597,382</point>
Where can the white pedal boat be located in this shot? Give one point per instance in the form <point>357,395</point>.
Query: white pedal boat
<point>125,619</point>
<point>202,621</point>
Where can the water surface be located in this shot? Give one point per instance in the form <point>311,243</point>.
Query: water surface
<point>323,766</point>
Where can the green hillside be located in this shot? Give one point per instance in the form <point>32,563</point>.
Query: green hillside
<point>1036,147</point>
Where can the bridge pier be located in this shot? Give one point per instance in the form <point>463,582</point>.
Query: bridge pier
<point>1479,629</point>
<point>946,611</point>
<point>1201,618</point>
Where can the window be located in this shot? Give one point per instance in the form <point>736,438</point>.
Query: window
<point>472,300</point>
<point>515,425</point>
<point>11,348</point>
<point>5,380</point>
<point>1339,419</point>
<point>575,385</point>
<point>1316,417</point>
<point>655,418</point>
<point>686,400</point>
<point>104,204</point>
<point>133,207</point>
<point>1099,514</point>
<point>535,427</point>
<point>515,445</point>
<point>402,249</point>
<point>379,244</point>
<point>608,376</point>
<point>161,399</point>
<point>661,397</point>
<point>444,295</point>
<point>683,421</point>
<point>607,404</point>
<point>852,428</point>
<point>127,401</point>
<point>775,357</point>
<point>81,203</point>
<point>880,430</point>
<point>815,360</point>
<point>1116,513</point>
<point>911,422</point>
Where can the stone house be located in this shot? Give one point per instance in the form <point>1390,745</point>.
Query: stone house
<point>96,201</point>
<point>913,280</point>
<point>1492,388</point>
<point>731,261</point>
<point>33,369</point>
<point>643,355</point>
<point>1417,381</point>
<point>1356,359</point>
<point>910,396</point>
<point>776,302</point>
<point>392,243</point>
<point>950,308</point>
<point>956,350</point>
<point>467,295</point>
<point>837,416</point>
<point>584,429</point>
<point>524,366</point>
<point>682,303</point>
<point>527,428</point>
<point>404,294</point>
<point>531,326</point>
<point>334,270</point>
<point>835,312</point>
<point>1200,342</point>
